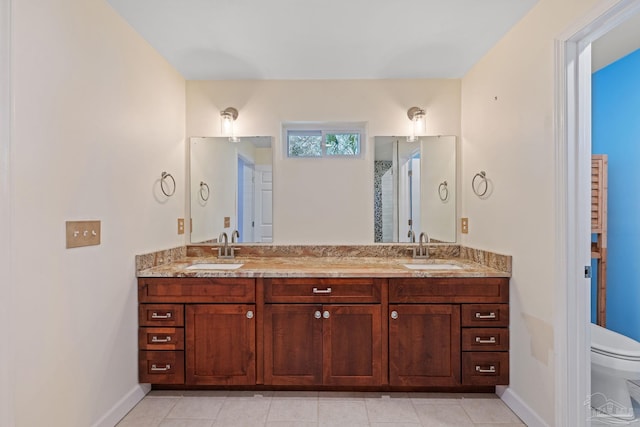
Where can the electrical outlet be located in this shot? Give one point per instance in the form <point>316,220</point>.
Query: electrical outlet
<point>227,221</point>
<point>464,225</point>
<point>180,225</point>
<point>82,233</point>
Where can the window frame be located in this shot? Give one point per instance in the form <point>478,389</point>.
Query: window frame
<point>324,129</point>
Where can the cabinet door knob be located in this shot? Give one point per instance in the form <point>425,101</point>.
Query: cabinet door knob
<point>326,314</point>
<point>491,315</point>
<point>249,314</point>
<point>490,370</point>
<point>317,314</point>
<point>491,340</point>
<point>394,314</point>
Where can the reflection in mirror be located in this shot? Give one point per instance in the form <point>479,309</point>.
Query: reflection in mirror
<point>414,188</point>
<point>231,188</point>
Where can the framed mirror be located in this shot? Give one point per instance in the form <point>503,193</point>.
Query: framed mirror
<point>231,186</point>
<point>414,188</point>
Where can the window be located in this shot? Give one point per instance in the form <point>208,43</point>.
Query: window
<point>323,143</point>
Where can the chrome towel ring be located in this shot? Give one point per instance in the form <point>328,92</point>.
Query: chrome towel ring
<point>204,189</point>
<point>443,191</point>
<point>476,187</point>
<point>163,182</point>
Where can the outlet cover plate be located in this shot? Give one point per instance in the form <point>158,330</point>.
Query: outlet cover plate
<point>464,225</point>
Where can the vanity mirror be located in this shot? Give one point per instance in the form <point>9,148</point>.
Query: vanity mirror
<point>231,188</point>
<point>415,188</point>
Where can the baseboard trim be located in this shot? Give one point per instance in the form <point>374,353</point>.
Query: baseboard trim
<point>123,406</point>
<point>519,407</point>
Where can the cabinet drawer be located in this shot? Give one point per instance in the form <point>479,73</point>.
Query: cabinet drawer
<point>161,367</point>
<point>355,290</point>
<point>197,289</point>
<point>161,315</point>
<point>485,368</point>
<point>161,339</point>
<point>485,315</point>
<point>448,290</point>
<point>485,339</point>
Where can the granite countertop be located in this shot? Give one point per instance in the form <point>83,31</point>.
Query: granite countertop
<point>324,266</point>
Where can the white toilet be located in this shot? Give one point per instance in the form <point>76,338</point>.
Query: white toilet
<point>615,359</point>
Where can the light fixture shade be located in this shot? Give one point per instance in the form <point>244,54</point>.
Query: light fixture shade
<point>418,125</point>
<point>227,117</point>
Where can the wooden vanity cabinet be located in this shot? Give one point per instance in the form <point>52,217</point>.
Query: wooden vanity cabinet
<point>197,331</point>
<point>323,332</point>
<point>424,345</point>
<point>448,331</point>
<point>397,333</point>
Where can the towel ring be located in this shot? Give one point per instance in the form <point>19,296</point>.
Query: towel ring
<point>163,178</point>
<point>443,191</point>
<point>204,189</point>
<point>483,180</point>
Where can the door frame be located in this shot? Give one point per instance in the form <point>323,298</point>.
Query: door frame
<point>573,228</point>
<point>7,379</point>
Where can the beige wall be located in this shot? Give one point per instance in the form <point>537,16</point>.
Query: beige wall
<point>323,201</point>
<point>512,139</point>
<point>98,115</point>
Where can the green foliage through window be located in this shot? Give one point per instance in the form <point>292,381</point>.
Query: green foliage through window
<point>309,143</point>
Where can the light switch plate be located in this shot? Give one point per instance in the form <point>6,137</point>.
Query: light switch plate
<point>227,222</point>
<point>82,233</point>
<point>464,225</point>
<point>180,225</point>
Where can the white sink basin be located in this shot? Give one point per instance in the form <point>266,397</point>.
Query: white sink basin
<point>213,266</point>
<point>433,266</point>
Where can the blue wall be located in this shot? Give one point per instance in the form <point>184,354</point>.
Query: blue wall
<point>616,132</point>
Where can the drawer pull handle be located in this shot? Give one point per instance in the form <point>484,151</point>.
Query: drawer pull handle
<point>155,339</point>
<point>155,315</point>
<point>491,370</point>
<point>317,314</point>
<point>491,315</point>
<point>321,291</point>
<point>394,314</point>
<point>249,314</point>
<point>491,340</point>
<point>155,368</point>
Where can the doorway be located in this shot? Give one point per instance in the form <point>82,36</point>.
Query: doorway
<point>573,160</point>
<point>246,196</point>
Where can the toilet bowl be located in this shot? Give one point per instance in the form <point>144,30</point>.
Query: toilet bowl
<point>615,359</point>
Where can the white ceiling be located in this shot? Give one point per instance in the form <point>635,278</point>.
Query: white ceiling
<point>322,39</point>
<point>618,42</point>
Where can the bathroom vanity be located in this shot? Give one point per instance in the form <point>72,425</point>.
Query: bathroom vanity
<point>322,323</point>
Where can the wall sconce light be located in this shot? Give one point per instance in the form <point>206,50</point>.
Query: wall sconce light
<point>416,115</point>
<point>227,117</point>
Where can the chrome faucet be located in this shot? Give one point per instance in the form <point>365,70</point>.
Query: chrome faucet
<point>412,236</point>
<point>423,250</point>
<point>224,250</point>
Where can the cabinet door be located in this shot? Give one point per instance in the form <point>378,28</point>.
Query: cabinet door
<point>220,345</point>
<point>293,344</point>
<point>352,345</point>
<point>424,345</point>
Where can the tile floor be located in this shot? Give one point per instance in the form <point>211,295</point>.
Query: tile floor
<point>318,409</point>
